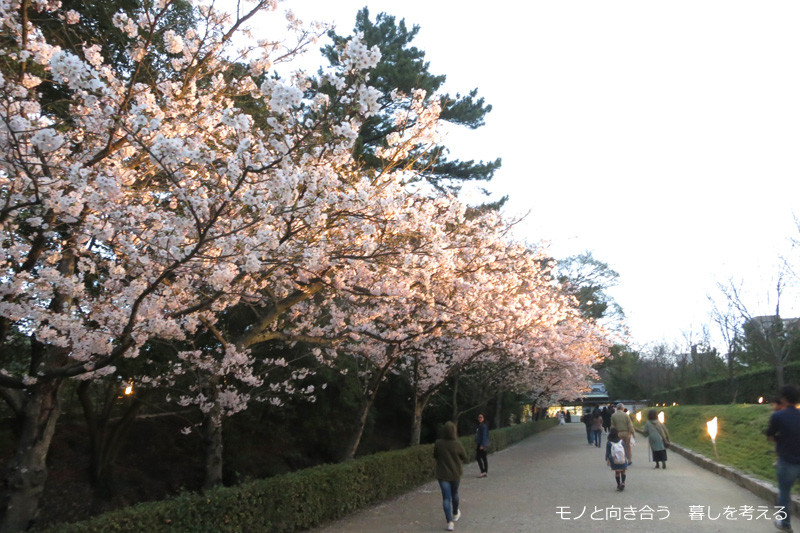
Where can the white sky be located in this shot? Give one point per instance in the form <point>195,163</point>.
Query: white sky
<point>664,137</point>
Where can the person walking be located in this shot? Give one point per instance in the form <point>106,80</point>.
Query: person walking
<point>449,455</point>
<point>784,429</point>
<point>597,427</point>
<point>622,422</point>
<point>588,419</point>
<point>616,458</point>
<point>481,446</point>
<point>561,418</point>
<point>606,414</point>
<point>776,403</point>
<point>658,437</point>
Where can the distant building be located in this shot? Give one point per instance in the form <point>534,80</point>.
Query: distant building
<point>596,397</point>
<point>598,388</point>
<point>770,323</point>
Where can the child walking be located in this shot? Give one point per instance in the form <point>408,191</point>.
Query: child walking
<point>616,457</point>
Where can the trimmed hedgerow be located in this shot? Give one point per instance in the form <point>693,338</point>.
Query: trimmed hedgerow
<point>295,501</point>
<point>747,387</point>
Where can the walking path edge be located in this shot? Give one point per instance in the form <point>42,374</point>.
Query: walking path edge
<point>759,487</point>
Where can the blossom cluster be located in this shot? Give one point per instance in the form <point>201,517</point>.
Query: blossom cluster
<point>150,209</point>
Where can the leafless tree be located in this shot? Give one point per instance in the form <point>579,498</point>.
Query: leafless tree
<point>770,335</point>
<point>729,325</point>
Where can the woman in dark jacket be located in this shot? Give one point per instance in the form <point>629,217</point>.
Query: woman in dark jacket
<point>449,454</point>
<point>481,446</point>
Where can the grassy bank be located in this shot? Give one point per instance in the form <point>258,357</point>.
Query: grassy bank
<point>741,442</point>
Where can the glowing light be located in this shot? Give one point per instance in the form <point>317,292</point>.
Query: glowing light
<point>661,417</point>
<point>712,428</point>
<point>760,399</point>
<point>712,431</point>
<point>129,389</point>
<point>639,416</point>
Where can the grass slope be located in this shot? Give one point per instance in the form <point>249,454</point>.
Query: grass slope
<point>741,442</point>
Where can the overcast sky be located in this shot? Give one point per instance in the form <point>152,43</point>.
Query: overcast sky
<point>664,137</point>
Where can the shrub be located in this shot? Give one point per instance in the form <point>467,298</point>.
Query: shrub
<point>748,386</point>
<point>295,501</point>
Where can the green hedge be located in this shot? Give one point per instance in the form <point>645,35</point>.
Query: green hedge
<point>295,501</point>
<point>749,386</point>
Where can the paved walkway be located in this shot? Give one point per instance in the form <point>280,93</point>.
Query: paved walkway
<point>530,481</point>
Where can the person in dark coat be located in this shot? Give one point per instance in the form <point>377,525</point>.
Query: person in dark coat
<point>606,414</point>
<point>588,420</point>
<point>784,429</point>
<point>481,446</point>
<point>449,455</point>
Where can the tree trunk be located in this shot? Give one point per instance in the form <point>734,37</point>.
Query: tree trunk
<point>106,438</point>
<point>212,439</point>
<point>498,417</point>
<point>731,381</point>
<point>27,470</point>
<point>416,424</point>
<point>456,414</point>
<point>779,374</point>
<point>14,399</point>
<point>351,447</point>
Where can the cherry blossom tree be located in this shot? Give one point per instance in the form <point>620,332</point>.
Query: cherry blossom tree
<point>160,204</point>
<point>463,293</point>
<point>155,206</point>
<point>382,306</point>
<point>510,312</point>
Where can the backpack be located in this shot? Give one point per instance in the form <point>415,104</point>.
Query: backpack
<point>618,453</point>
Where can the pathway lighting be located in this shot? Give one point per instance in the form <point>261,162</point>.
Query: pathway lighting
<point>661,417</point>
<point>638,416</point>
<point>712,431</point>
<point>760,399</point>
<point>129,389</point>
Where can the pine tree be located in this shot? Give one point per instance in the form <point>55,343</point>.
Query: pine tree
<point>403,69</point>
